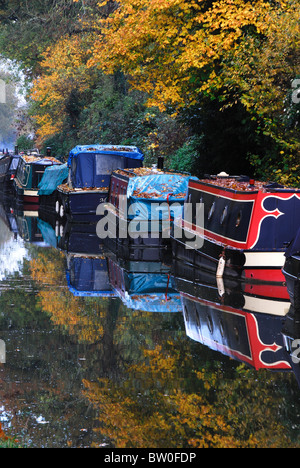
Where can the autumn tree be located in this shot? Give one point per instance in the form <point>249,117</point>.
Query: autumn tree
<point>187,55</point>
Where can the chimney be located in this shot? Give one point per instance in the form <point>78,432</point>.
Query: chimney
<point>160,163</point>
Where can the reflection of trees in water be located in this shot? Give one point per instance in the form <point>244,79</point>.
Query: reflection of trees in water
<point>72,359</point>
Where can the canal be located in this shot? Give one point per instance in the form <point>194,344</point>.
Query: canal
<point>102,350</point>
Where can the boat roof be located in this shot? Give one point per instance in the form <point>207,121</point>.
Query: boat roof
<point>244,184</point>
<point>147,183</point>
<point>46,161</point>
<point>131,152</point>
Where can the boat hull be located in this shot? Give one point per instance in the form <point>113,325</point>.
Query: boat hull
<point>80,206</point>
<point>260,266</point>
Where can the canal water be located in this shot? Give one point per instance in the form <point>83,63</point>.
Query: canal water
<point>103,349</point>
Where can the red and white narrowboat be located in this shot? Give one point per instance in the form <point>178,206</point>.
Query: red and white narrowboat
<point>245,228</point>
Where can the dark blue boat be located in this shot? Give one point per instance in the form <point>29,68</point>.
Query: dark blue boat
<point>90,169</point>
<point>5,160</point>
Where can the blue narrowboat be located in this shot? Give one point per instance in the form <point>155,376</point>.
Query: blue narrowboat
<point>142,205</point>
<point>90,169</point>
<point>29,174</point>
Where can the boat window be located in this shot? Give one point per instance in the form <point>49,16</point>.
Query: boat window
<point>186,314</point>
<point>239,219</point>
<point>222,329</point>
<point>224,215</point>
<point>212,210</point>
<point>210,324</point>
<point>236,334</point>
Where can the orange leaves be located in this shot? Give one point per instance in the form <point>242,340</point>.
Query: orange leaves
<point>163,44</point>
<point>173,50</point>
<point>64,69</point>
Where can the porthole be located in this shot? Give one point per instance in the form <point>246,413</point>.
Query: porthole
<point>212,210</point>
<point>224,215</point>
<point>186,315</point>
<point>222,329</point>
<point>210,324</point>
<point>236,334</point>
<point>239,219</point>
<point>198,323</point>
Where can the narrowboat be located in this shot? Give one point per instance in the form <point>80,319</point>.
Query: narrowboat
<point>8,168</point>
<point>29,174</point>
<point>5,160</point>
<point>8,183</point>
<point>90,169</point>
<point>228,323</point>
<point>142,205</point>
<point>244,229</point>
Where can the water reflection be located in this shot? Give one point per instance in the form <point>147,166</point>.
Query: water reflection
<point>12,250</point>
<point>241,321</point>
<point>121,347</point>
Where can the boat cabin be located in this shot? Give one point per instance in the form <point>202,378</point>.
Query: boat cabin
<point>29,174</point>
<point>146,200</point>
<point>90,169</point>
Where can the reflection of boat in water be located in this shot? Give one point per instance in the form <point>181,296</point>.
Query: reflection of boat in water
<point>247,224</point>
<point>87,276</point>
<point>78,238</point>
<point>8,217</point>
<point>144,286</point>
<point>28,225</point>
<point>244,325</point>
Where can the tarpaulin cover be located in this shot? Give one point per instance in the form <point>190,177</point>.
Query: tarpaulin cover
<point>89,277</point>
<point>52,178</point>
<point>163,189</point>
<point>92,166</point>
<point>151,293</point>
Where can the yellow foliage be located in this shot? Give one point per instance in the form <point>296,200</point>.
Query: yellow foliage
<point>164,44</point>
<point>63,69</point>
